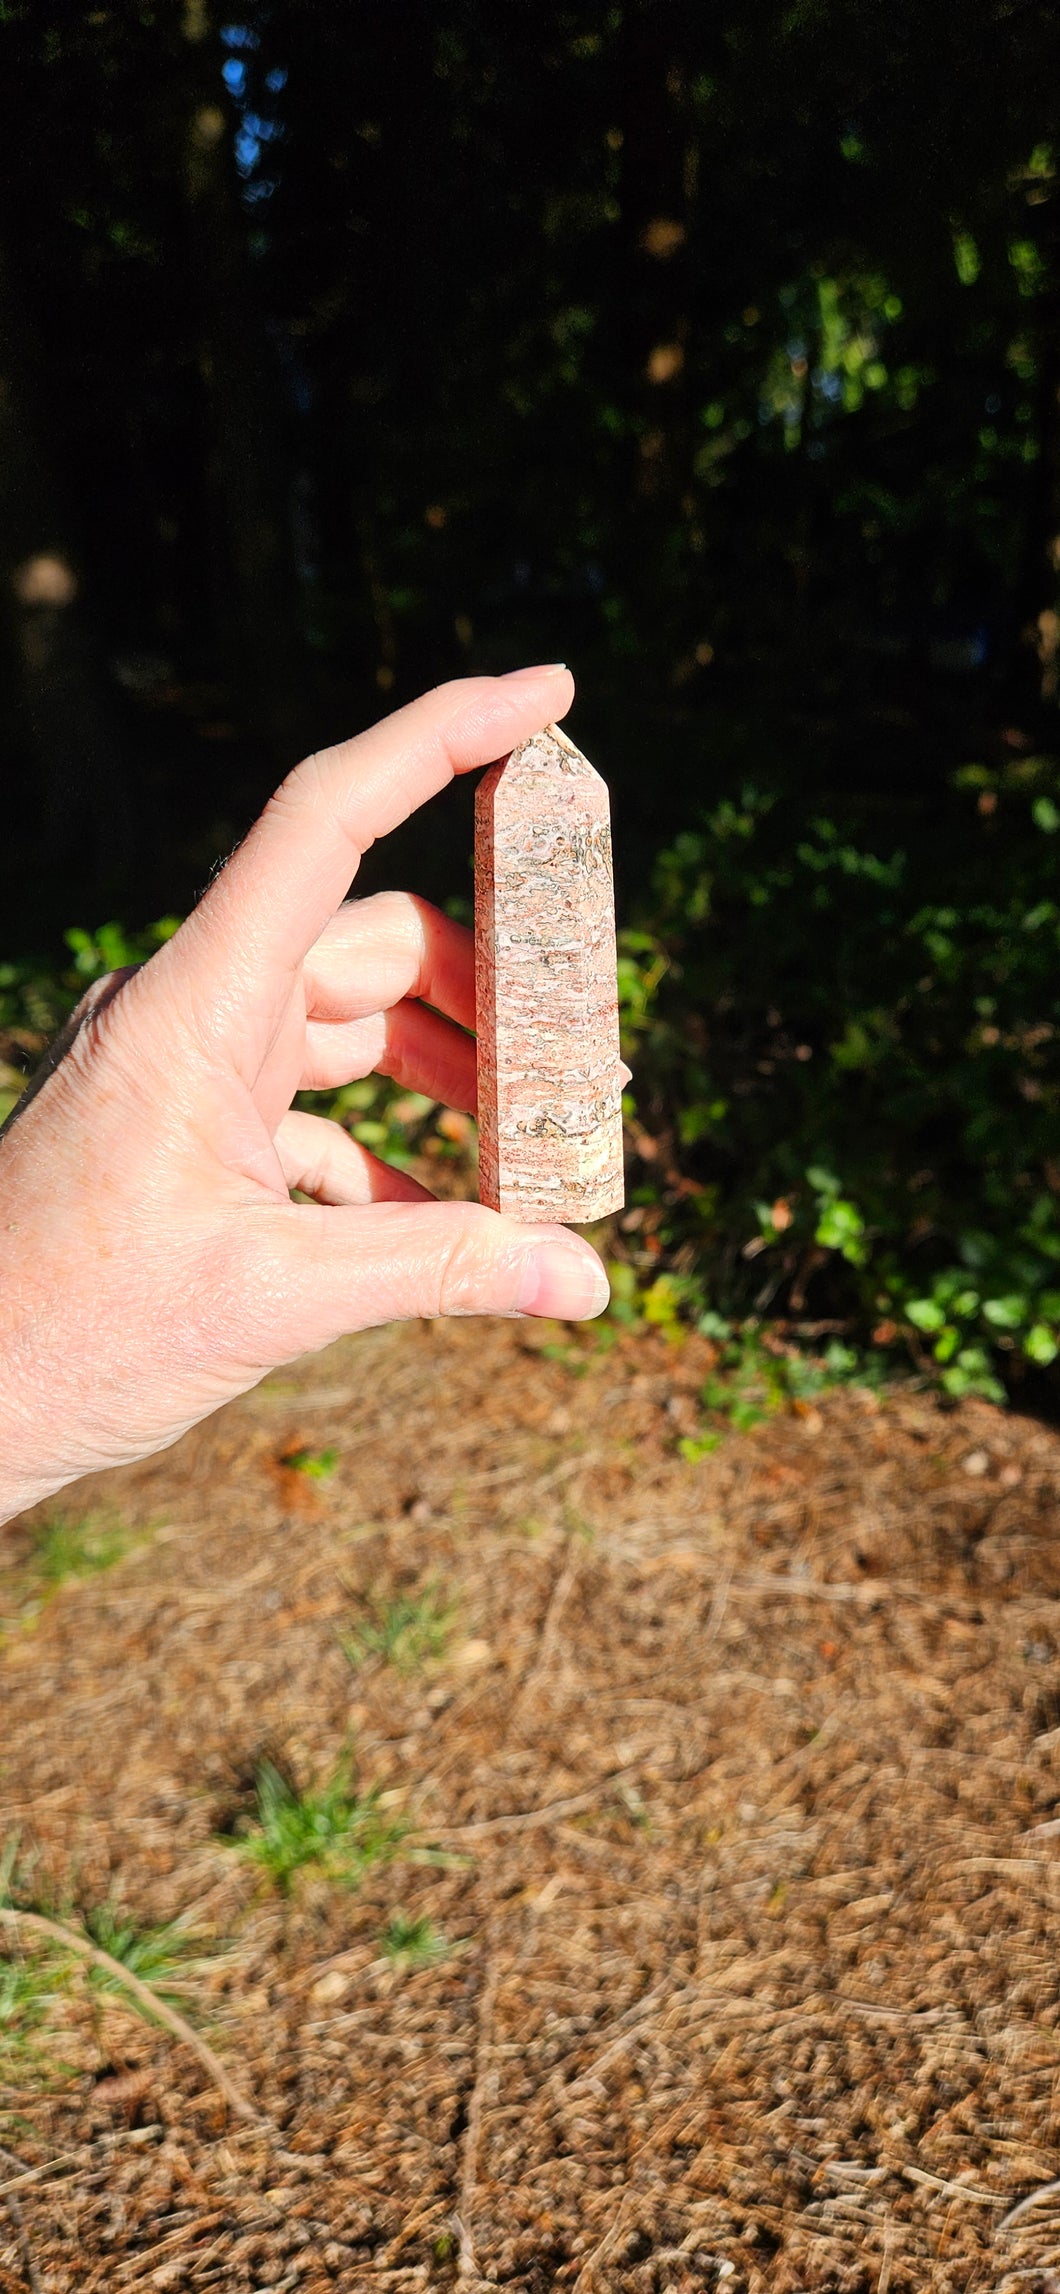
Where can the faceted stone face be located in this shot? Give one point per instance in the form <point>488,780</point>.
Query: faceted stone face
<point>549,1073</point>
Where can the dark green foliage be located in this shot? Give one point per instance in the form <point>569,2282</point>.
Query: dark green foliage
<point>37,994</point>
<point>846,1052</point>
<point>737,388</point>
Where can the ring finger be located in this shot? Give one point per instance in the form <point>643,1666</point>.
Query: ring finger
<point>415,1046</point>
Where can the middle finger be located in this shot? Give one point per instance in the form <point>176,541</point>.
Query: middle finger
<point>378,951</point>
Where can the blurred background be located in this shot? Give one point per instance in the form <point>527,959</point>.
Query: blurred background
<point>715,351</point>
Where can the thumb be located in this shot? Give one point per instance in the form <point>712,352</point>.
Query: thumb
<point>345,1268</point>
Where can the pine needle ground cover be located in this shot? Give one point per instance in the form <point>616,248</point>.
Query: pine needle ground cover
<point>714,1936</point>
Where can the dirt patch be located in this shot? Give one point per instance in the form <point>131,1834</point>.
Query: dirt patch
<point>741,1769</point>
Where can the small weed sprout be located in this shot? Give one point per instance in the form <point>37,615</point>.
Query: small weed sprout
<point>412,1630</point>
<point>336,1828</point>
<point>410,1943</point>
<point>754,1380</point>
<point>316,1465</point>
<point>61,1550</point>
<point>572,1357</point>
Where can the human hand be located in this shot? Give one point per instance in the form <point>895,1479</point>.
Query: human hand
<point>152,1263</point>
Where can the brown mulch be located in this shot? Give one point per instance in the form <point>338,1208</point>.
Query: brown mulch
<point>748,1772</point>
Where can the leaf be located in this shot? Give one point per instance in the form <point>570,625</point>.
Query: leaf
<point>1006,1313</point>
<point>925,1313</point>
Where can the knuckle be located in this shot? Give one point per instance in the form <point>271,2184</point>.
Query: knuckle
<point>464,1263</point>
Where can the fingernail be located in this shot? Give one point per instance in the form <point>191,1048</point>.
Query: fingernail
<point>543,669</point>
<point>564,1280</point>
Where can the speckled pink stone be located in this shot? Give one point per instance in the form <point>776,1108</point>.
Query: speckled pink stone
<point>549,1073</point>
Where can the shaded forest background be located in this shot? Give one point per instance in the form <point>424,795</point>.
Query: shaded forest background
<point>713,350</point>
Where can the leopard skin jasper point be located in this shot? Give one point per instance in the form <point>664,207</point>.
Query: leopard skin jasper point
<point>549,1070</point>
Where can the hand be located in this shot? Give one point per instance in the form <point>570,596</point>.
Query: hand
<point>152,1263</point>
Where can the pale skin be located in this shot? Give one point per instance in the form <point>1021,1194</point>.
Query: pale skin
<point>152,1262</point>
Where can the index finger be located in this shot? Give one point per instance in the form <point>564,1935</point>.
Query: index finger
<point>273,898</point>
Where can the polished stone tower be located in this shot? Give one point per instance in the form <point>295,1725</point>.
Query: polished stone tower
<point>549,1072</point>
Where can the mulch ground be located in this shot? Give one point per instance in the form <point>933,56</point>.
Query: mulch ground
<point>748,1774</point>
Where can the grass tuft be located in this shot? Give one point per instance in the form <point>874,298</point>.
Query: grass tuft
<point>12,1869</point>
<point>66,1548</point>
<point>31,1984</point>
<point>59,1550</point>
<point>409,1631</point>
<point>413,1943</point>
<point>167,1958</point>
<point>340,1830</point>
